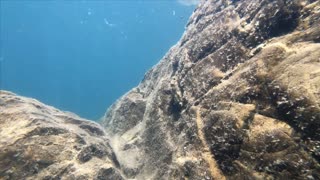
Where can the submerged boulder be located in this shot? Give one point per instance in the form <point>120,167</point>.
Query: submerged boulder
<point>40,142</point>
<point>238,97</point>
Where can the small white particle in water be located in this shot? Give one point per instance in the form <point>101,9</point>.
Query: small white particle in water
<point>173,13</point>
<point>107,23</point>
<point>89,12</point>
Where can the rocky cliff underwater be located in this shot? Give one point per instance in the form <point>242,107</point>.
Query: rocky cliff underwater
<point>238,97</point>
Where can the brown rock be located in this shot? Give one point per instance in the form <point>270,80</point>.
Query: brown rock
<point>41,142</point>
<point>236,98</point>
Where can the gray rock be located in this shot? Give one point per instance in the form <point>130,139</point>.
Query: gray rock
<point>236,98</point>
<point>41,142</point>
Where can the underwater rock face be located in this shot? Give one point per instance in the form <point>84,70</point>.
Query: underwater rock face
<point>238,97</point>
<point>41,142</point>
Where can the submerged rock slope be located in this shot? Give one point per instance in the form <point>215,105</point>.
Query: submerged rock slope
<point>238,97</point>
<point>41,142</point>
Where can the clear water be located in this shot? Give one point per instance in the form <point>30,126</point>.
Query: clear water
<point>80,56</point>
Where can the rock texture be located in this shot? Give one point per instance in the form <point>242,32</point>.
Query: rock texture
<point>41,142</point>
<point>238,97</point>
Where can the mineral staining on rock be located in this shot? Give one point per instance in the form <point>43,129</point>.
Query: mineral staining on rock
<point>41,142</point>
<point>238,97</point>
<point>242,85</point>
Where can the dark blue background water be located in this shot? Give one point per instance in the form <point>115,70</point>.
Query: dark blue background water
<point>81,56</point>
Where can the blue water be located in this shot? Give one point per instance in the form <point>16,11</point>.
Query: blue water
<point>81,56</point>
